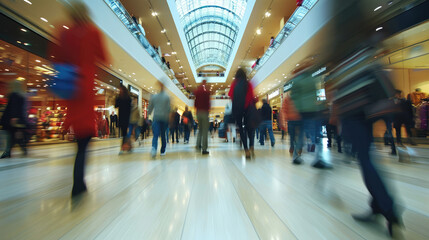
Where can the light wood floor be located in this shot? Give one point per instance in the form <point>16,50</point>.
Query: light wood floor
<point>184,195</point>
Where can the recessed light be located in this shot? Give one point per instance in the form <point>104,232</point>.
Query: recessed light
<point>163,30</point>
<point>52,26</point>
<point>27,1</point>
<point>297,65</point>
<point>23,29</point>
<point>44,19</point>
<point>258,31</point>
<point>177,60</point>
<point>379,28</point>
<point>38,61</point>
<point>377,8</point>
<point>267,14</point>
<point>7,70</point>
<point>154,14</point>
<point>19,42</point>
<point>174,53</point>
<point>168,43</point>
<point>120,70</point>
<point>134,73</point>
<point>64,26</point>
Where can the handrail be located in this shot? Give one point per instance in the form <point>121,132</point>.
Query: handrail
<point>120,11</point>
<point>287,29</point>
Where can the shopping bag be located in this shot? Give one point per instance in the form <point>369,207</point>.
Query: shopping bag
<point>64,83</point>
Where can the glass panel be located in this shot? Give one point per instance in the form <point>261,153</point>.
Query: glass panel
<point>215,24</point>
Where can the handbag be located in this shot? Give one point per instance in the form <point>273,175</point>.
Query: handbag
<point>253,118</point>
<point>64,83</point>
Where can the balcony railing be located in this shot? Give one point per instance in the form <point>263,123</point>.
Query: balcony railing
<point>138,32</point>
<point>287,29</point>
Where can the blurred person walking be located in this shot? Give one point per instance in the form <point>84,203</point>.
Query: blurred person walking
<point>187,121</point>
<point>291,118</point>
<point>81,45</point>
<point>135,120</point>
<point>159,104</point>
<point>230,123</point>
<point>174,125</point>
<point>304,97</point>
<point>202,104</point>
<point>404,117</point>
<point>267,123</point>
<point>123,103</point>
<point>14,119</point>
<point>244,110</point>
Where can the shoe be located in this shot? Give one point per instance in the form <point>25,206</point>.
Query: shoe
<point>247,152</point>
<point>205,152</point>
<point>153,153</point>
<point>78,191</point>
<point>162,154</point>
<point>321,165</point>
<point>291,149</point>
<point>262,144</point>
<point>393,153</point>
<point>297,161</point>
<point>233,139</point>
<point>312,148</point>
<point>365,217</point>
<point>252,151</point>
<point>394,228</point>
<point>272,144</point>
<point>5,155</point>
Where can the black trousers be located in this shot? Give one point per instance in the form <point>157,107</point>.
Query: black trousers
<point>172,131</point>
<point>397,125</point>
<point>332,131</point>
<point>382,201</point>
<point>79,165</point>
<point>246,132</point>
<point>12,140</point>
<point>124,133</point>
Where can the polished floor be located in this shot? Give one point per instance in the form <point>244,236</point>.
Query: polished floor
<point>184,195</point>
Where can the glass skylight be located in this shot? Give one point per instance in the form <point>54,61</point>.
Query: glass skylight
<point>211,28</point>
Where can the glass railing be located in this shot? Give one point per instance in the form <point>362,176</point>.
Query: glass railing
<point>138,32</point>
<point>290,25</point>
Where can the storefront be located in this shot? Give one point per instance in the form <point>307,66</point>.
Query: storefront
<point>275,100</point>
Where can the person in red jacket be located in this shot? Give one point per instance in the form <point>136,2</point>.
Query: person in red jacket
<point>241,93</point>
<point>202,104</point>
<point>81,45</point>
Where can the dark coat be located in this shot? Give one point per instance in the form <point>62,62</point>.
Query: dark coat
<point>15,109</point>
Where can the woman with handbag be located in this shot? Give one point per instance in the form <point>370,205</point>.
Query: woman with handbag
<point>244,111</point>
<point>14,119</point>
<point>81,46</point>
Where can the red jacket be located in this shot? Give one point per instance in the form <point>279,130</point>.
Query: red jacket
<point>250,97</point>
<point>81,45</point>
<point>202,99</point>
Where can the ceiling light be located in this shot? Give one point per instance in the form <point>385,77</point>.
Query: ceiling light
<point>169,43</point>
<point>154,14</point>
<point>24,30</point>
<point>297,64</point>
<point>7,70</point>
<point>377,8</point>
<point>134,73</point>
<point>18,42</point>
<point>174,53</point>
<point>26,44</point>
<point>163,30</point>
<point>44,19</point>
<point>379,28</point>
<point>258,31</point>
<point>267,14</point>
<point>64,26</point>
<point>181,67</point>
<point>52,26</point>
<point>177,60</point>
<point>27,1</point>
<point>38,61</point>
<point>120,70</point>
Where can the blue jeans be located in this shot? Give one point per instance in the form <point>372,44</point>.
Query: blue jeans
<point>361,130</point>
<point>264,126</point>
<point>159,128</point>
<point>187,132</point>
<point>296,134</point>
<point>130,129</point>
<point>313,130</point>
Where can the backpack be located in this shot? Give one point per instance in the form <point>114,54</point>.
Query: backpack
<point>239,97</point>
<point>304,93</point>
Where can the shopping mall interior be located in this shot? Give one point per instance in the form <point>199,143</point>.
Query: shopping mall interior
<point>183,48</point>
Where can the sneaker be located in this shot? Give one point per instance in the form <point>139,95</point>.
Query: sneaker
<point>162,154</point>
<point>205,152</point>
<point>272,144</point>
<point>321,165</point>
<point>297,161</point>
<point>153,153</point>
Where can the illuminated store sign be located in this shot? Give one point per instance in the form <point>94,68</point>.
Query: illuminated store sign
<point>273,94</point>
